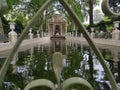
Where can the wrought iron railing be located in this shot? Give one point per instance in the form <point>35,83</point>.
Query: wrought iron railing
<point>73,80</point>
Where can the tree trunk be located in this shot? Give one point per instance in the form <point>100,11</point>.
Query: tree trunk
<point>91,13</point>
<point>1,27</point>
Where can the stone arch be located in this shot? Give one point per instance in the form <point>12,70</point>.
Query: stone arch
<point>57,30</point>
<point>57,26</point>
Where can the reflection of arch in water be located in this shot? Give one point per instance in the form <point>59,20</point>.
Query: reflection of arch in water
<point>57,30</point>
<point>58,45</point>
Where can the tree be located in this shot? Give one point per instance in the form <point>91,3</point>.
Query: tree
<point>90,12</point>
<point>23,10</point>
<point>91,4</point>
<point>3,9</point>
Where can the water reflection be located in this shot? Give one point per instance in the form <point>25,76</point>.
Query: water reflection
<point>78,60</point>
<point>58,46</point>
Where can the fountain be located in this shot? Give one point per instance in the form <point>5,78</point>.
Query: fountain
<point>57,26</point>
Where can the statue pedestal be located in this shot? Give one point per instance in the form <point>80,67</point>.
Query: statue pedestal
<point>30,34</point>
<point>116,34</point>
<point>12,36</point>
<point>92,34</point>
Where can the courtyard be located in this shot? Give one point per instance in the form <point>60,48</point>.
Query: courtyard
<point>60,53</point>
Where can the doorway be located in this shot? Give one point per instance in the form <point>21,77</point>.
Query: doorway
<point>57,30</point>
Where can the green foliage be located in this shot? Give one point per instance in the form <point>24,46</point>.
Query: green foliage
<point>76,6</point>
<point>29,8</point>
<point>107,23</point>
<point>21,20</point>
<point>11,3</point>
<point>78,87</point>
<point>106,19</point>
<point>74,57</point>
<point>3,7</point>
<point>16,79</point>
<point>5,25</point>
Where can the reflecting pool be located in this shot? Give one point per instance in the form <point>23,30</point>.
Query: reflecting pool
<point>78,61</point>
